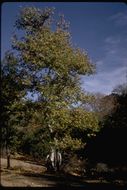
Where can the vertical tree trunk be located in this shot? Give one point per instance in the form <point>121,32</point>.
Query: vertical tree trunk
<point>8,158</point>
<point>7,149</point>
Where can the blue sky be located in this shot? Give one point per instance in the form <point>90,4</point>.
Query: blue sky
<point>99,28</point>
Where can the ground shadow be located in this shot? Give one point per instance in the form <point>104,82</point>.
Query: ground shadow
<point>66,181</point>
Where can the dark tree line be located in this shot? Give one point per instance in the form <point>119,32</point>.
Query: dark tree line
<point>109,146</point>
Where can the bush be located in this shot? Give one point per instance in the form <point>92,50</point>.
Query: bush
<point>74,166</point>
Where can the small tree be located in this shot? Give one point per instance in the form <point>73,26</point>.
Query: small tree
<point>11,94</point>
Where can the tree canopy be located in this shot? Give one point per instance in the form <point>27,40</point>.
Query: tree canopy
<point>48,64</point>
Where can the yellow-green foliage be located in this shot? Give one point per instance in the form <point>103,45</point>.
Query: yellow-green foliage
<point>51,65</point>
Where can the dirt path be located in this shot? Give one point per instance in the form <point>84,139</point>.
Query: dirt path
<point>20,174</point>
<point>26,174</point>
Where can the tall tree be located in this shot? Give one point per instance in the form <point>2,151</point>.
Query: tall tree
<point>51,67</point>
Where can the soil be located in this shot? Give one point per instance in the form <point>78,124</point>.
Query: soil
<point>27,174</point>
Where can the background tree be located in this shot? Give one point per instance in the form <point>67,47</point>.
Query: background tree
<point>103,105</point>
<point>118,118</point>
<point>11,94</point>
<point>109,144</point>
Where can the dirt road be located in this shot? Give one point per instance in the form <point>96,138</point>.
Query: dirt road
<point>26,174</point>
<point>16,176</point>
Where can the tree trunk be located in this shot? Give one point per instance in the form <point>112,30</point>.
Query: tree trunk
<point>7,148</point>
<point>8,157</point>
<point>8,161</point>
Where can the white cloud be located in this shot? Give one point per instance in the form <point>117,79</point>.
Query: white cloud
<point>115,53</point>
<point>120,19</point>
<point>112,40</point>
<point>104,82</point>
<point>111,69</point>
